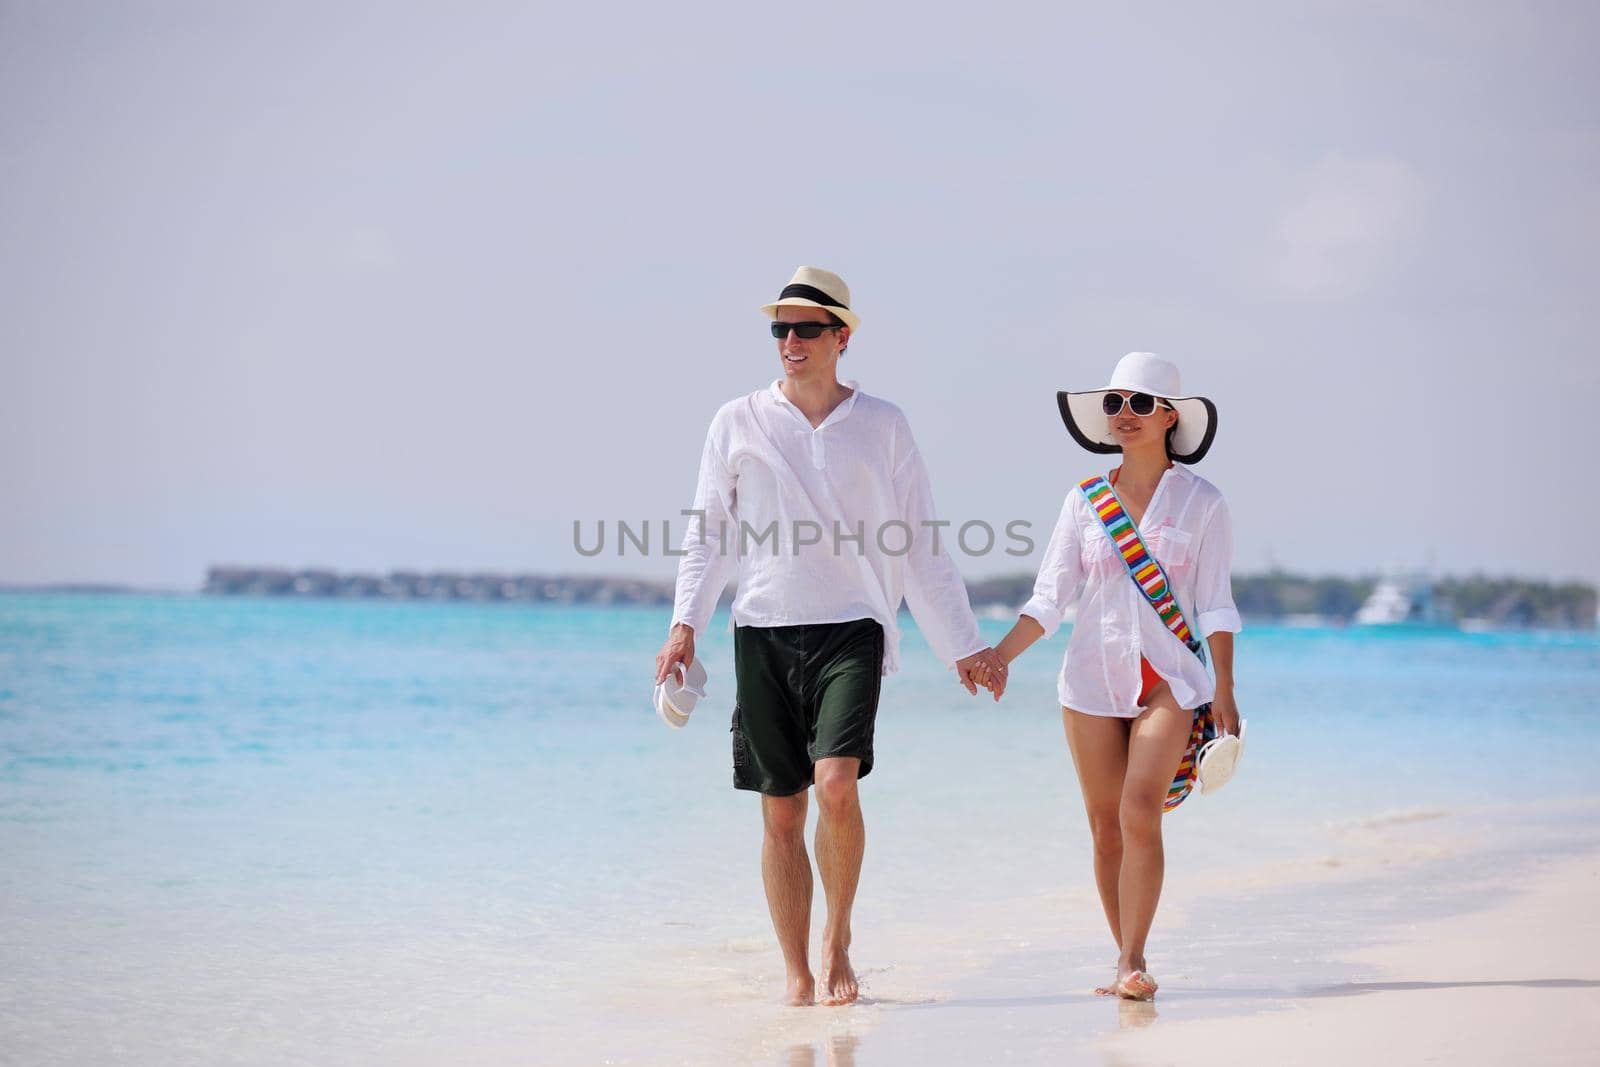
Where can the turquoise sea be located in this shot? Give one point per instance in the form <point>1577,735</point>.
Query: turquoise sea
<point>268,831</point>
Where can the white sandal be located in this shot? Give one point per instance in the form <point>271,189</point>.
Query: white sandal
<point>674,701</point>
<point>1218,759</point>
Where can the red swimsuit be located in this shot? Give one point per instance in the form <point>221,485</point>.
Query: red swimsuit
<point>1148,678</point>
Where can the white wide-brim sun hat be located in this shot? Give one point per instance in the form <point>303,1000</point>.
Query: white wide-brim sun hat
<point>816,288</point>
<point>1141,372</point>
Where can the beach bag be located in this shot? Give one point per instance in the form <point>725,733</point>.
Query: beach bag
<point>1146,572</point>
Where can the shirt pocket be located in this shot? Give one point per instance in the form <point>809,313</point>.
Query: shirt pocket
<point>1170,545</point>
<point>1097,549</point>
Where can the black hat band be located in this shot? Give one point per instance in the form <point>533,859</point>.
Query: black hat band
<point>810,292</point>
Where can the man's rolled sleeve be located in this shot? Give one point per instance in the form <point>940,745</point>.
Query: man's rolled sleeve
<point>709,558</point>
<point>934,590</point>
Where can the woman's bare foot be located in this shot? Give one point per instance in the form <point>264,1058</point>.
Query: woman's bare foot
<point>801,992</point>
<point>1111,990</point>
<point>1136,985</point>
<point>838,981</point>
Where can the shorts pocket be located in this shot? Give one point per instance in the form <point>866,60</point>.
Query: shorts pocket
<point>741,751</point>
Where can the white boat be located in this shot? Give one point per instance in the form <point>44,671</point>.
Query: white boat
<point>1403,601</point>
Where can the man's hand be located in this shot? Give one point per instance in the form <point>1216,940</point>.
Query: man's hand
<point>678,649</point>
<point>984,668</point>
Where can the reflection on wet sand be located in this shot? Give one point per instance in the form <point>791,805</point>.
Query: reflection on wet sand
<point>840,1050</point>
<point>1135,1014</point>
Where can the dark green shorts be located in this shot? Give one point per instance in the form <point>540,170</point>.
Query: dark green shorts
<point>805,693</point>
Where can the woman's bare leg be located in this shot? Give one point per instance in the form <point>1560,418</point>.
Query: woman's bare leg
<point>1155,747</point>
<point>1100,753</point>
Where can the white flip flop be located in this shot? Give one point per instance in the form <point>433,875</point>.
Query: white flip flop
<point>674,701</point>
<point>1218,760</point>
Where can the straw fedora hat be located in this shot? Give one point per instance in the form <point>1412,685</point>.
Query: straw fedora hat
<point>816,288</point>
<point>1141,372</point>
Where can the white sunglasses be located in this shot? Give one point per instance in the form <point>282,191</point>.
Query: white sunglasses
<point>1141,404</point>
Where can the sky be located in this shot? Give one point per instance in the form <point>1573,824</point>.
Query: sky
<point>420,285</point>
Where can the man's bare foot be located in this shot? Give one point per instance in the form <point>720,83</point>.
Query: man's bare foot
<point>801,991</point>
<point>838,981</point>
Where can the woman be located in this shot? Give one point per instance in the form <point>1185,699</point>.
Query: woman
<point>1129,685</point>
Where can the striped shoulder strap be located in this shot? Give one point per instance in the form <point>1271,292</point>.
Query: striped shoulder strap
<point>1142,566</point>
<point>1152,581</point>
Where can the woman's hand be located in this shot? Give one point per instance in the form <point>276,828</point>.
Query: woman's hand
<point>983,668</point>
<point>1226,711</point>
<point>1222,705</point>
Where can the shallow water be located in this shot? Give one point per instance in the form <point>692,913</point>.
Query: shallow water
<point>259,831</point>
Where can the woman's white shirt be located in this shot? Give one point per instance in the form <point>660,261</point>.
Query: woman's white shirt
<point>1186,527</point>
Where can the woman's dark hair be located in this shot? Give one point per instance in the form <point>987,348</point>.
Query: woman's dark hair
<point>1171,430</point>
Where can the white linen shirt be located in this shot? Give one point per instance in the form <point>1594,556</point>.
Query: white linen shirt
<point>1186,527</point>
<point>847,501</point>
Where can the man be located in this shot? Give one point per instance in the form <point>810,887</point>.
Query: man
<point>815,493</point>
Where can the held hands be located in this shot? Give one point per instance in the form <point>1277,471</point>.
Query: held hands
<point>678,649</point>
<point>984,668</point>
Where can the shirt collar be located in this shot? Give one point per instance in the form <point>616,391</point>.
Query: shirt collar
<point>838,414</point>
<point>1177,470</point>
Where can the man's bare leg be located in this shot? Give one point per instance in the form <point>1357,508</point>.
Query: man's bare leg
<point>786,873</point>
<point>841,842</point>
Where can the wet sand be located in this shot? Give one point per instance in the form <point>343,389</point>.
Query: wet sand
<point>1518,981</point>
<point>1419,936</point>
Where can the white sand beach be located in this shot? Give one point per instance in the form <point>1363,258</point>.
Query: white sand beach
<point>1515,982</point>
<point>1422,936</point>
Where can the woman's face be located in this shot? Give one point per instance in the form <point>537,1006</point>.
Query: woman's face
<point>1138,432</point>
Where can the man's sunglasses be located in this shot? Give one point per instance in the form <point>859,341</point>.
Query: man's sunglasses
<point>807,331</point>
<point>1140,404</point>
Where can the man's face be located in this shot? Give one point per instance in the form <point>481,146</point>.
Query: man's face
<point>814,360</point>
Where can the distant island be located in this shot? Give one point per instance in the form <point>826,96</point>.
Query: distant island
<point>1497,602</point>
<point>437,585</point>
